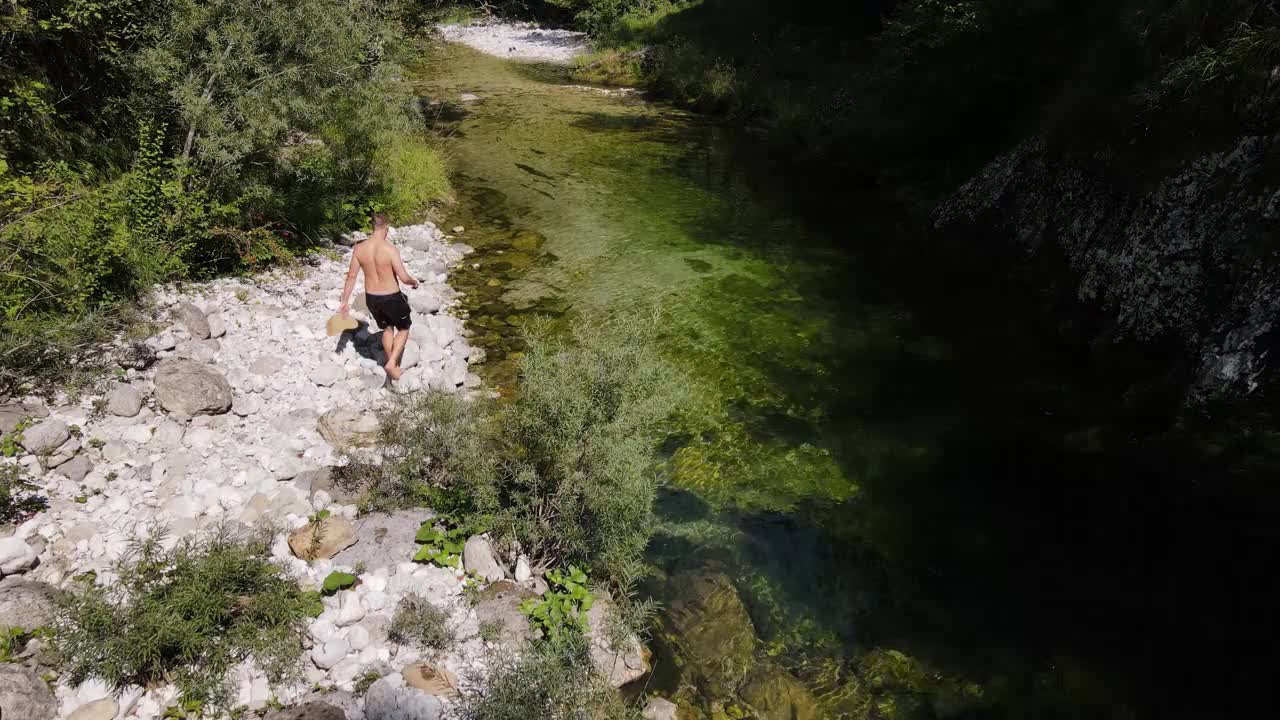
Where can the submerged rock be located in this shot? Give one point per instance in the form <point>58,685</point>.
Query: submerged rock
<point>776,695</point>
<point>708,627</point>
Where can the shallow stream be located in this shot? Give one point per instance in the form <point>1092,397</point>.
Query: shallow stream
<point>864,475</point>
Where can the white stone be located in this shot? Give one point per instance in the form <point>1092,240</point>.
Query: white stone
<point>350,611</point>
<point>522,569</point>
<point>15,555</point>
<point>330,654</point>
<point>477,557</point>
<point>358,637</point>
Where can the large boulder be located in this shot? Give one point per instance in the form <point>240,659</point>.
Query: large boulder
<point>45,436</point>
<point>194,320</point>
<point>322,539</point>
<point>776,695</point>
<point>477,557</point>
<point>708,627</point>
<point>307,711</point>
<point>24,696</point>
<point>622,663</point>
<point>25,604</point>
<point>500,604</point>
<point>191,388</point>
<point>349,428</point>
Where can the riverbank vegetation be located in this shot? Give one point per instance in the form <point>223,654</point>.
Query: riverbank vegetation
<point>920,93</point>
<point>186,615</point>
<point>567,469</point>
<point>143,142</point>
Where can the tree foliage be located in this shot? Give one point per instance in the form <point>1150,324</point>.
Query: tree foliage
<point>146,140</point>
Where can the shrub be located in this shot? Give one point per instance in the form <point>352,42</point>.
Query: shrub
<point>549,680</point>
<point>569,470</point>
<point>186,615</point>
<point>409,174</point>
<point>16,502</point>
<point>418,622</point>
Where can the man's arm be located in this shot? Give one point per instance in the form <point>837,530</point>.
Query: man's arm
<point>352,273</point>
<point>403,274</point>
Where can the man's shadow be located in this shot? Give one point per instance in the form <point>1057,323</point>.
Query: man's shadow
<point>368,344</point>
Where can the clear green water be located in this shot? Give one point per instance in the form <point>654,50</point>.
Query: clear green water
<point>857,471</point>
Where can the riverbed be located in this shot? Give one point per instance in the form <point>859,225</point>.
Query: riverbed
<point>860,471</point>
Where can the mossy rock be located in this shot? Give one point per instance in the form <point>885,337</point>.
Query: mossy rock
<point>774,694</point>
<point>527,240</point>
<point>709,632</point>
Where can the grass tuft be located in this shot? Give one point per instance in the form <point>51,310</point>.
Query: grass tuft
<point>186,615</point>
<point>419,623</point>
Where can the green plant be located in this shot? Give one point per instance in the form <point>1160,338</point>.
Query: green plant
<point>569,470</point>
<point>491,630</point>
<point>563,608</point>
<point>417,622</point>
<point>11,444</point>
<point>97,443</point>
<point>99,409</point>
<point>184,710</point>
<point>186,615</point>
<point>336,581</point>
<point>365,681</point>
<point>16,502</point>
<point>13,641</point>
<point>440,547</point>
<point>547,680</point>
<point>318,516</point>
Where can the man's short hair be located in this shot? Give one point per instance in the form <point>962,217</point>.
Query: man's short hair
<point>380,219</point>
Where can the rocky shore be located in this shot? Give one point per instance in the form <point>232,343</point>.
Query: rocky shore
<point>233,415</point>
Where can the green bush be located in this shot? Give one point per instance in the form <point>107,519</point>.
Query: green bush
<point>410,174</point>
<point>186,615</point>
<point>418,622</point>
<point>568,470</point>
<point>548,680</point>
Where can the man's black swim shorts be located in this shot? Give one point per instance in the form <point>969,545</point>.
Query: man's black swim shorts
<point>389,310</point>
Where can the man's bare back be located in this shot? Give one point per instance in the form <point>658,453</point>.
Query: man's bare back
<point>384,270</point>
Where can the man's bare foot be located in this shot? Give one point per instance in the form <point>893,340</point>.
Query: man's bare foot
<point>393,371</point>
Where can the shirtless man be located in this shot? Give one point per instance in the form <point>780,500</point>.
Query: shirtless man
<point>383,273</point>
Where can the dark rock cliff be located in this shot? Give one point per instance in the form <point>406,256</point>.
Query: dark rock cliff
<point>1185,259</point>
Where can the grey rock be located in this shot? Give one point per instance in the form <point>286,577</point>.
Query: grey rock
<point>10,415</point>
<point>217,326</point>
<point>194,320</point>
<point>190,388</point>
<point>24,696</point>
<point>25,603</point>
<point>76,468</point>
<point>323,539</point>
<point>124,401</point>
<point>500,603</point>
<point>386,538</point>
<point>308,711</point>
<point>425,302</point>
<point>477,557</point>
<point>390,699</point>
<point>267,365</point>
<point>620,665</point>
<point>409,358</point>
<point>63,453</point>
<point>659,709</point>
<point>345,701</point>
<point>348,428</point>
<point>45,436</point>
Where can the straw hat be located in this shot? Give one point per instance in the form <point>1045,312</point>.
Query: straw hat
<point>337,324</point>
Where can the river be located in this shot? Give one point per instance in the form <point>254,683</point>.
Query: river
<point>899,472</point>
